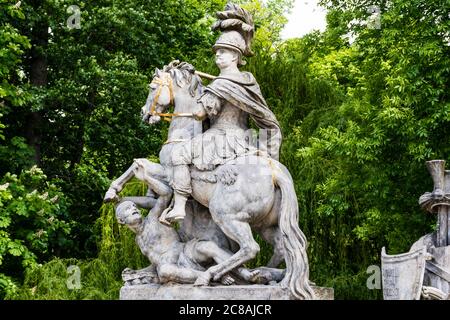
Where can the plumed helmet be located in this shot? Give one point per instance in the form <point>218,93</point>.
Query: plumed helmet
<point>231,40</point>
<point>237,29</point>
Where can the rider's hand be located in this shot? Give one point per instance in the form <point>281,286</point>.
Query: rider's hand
<point>199,113</point>
<point>154,119</point>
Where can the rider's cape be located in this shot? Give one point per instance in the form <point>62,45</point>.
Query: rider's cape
<point>244,92</point>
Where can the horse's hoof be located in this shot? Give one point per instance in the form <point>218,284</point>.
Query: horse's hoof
<point>110,196</point>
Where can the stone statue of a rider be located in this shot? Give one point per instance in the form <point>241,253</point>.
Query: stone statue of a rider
<point>223,101</point>
<point>238,185</point>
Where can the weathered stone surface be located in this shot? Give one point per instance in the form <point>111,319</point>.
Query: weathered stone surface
<point>438,277</point>
<point>402,274</point>
<point>190,292</point>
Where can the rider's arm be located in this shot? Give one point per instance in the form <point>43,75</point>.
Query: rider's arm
<point>210,104</point>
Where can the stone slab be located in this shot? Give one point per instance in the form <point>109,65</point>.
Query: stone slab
<point>235,292</point>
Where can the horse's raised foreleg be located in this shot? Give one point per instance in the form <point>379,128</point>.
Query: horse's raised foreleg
<point>238,231</point>
<point>118,184</point>
<point>151,173</point>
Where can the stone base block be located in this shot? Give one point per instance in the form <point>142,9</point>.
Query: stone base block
<point>235,292</point>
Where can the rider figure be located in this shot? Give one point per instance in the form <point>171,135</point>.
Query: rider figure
<point>228,102</point>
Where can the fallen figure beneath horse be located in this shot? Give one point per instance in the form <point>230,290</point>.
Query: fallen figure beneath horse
<point>175,261</point>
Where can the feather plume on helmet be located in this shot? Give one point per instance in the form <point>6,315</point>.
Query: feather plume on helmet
<point>237,29</point>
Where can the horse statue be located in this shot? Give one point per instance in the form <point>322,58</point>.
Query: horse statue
<point>251,192</point>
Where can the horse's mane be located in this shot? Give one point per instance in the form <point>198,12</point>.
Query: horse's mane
<point>184,71</point>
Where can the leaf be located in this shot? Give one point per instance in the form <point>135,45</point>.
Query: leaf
<point>5,221</point>
<point>16,249</point>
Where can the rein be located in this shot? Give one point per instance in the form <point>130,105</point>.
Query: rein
<point>166,82</point>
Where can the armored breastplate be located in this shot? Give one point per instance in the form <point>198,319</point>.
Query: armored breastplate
<point>230,117</point>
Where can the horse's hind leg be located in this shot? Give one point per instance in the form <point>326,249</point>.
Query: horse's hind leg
<point>239,231</point>
<point>273,236</point>
<point>209,249</point>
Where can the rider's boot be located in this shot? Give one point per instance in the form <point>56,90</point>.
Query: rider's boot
<point>182,189</point>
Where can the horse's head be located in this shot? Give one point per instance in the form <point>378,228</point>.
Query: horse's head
<point>159,98</point>
<point>174,80</point>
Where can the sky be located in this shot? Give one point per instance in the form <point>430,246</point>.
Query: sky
<point>305,17</point>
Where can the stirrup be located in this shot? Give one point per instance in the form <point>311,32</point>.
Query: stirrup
<point>173,218</point>
<point>162,217</point>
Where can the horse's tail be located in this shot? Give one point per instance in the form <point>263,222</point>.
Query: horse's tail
<point>294,241</point>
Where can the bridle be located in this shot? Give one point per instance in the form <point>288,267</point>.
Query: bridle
<point>165,82</point>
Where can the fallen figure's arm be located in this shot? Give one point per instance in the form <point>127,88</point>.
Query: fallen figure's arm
<point>145,202</point>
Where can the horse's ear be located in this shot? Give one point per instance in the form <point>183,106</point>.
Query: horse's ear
<point>157,72</point>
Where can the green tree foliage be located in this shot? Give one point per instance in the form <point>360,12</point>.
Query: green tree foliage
<point>359,120</point>
<point>365,157</point>
<point>100,278</point>
<point>12,44</point>
<point>13,88</point>
<point>32,224</point>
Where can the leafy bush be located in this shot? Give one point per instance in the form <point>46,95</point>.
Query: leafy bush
<point>32,224</point>
<point>100,277</point>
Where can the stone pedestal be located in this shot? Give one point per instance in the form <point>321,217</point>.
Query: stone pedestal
<point>235,292</point>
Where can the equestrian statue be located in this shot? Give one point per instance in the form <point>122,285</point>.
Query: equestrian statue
<point>216,178</point>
